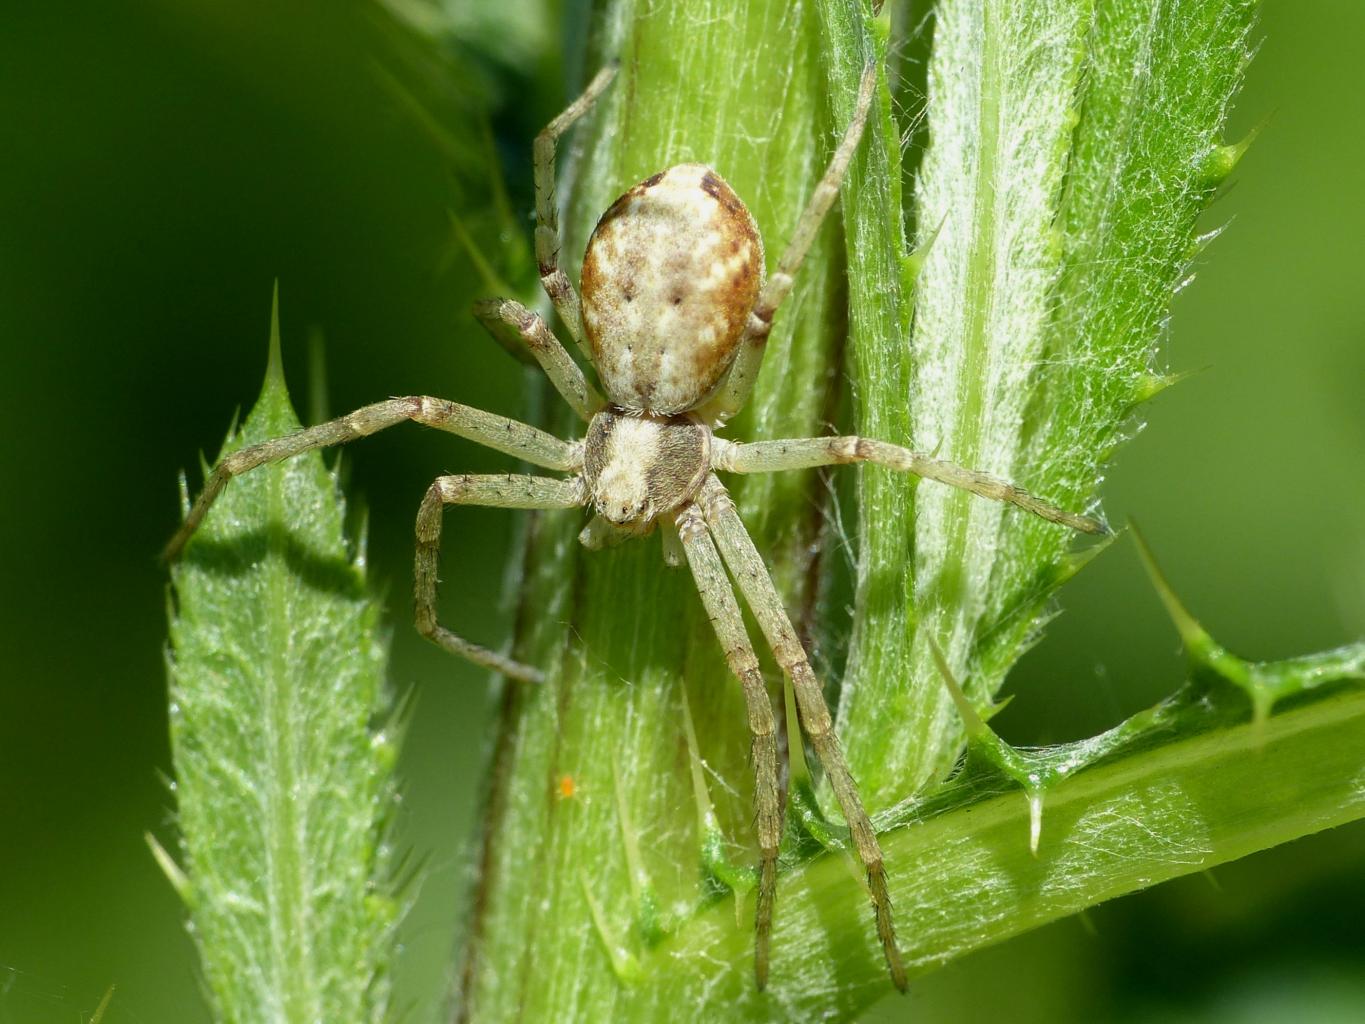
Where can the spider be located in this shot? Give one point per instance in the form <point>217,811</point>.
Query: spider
<point>674,315</point>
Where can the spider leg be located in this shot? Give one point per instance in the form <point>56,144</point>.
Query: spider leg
<point>746,565</point>
<point>498,432</point>
<point>739,384</point>
<point>553,358</point>
<point>495,491</point>
<point>805,452</point>
<point>557,284</point>
<point>718,597</point>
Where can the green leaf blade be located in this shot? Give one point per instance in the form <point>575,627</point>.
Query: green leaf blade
<point>1001,91</point>
<point>1070,155</point>
<point>284,791</point>
<point>1161,76</point>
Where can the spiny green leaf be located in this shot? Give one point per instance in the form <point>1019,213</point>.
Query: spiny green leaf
<point>284,786</point>
<point>1001,93</point>
<point>1264,683</point>
<point>1068,162</point>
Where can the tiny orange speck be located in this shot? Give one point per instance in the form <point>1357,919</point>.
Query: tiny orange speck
<point>566,787</point>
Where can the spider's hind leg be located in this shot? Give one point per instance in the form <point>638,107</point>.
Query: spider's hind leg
<point>557,284</point>
<point>539,341</point>
<point>739,384</point>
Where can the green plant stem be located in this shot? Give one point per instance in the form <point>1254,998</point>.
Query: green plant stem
<point>624,639</point>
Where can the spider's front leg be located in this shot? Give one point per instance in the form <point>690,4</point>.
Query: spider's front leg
<point>808,452</point>
<point>718,597</point>
<point>751,575</point>
<point>485,428</point>
<point>494,491</point>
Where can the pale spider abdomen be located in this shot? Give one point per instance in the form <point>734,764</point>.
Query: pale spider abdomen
<point>669,277</point>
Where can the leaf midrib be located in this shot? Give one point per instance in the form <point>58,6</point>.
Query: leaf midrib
<point>287,901</point>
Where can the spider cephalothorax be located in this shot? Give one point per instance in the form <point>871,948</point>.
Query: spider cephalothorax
<point>637,468</point>
<point>674,315</point>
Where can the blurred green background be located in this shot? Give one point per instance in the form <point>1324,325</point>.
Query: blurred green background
<point>164,162</point>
